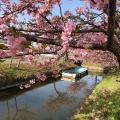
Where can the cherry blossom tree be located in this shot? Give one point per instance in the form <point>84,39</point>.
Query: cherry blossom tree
<point>95,27</point>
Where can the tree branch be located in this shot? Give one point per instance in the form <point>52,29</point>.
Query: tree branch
<point>6,14</point>
<point>60,10</point>
<point>58,42</point>
<point>48,21</point>
<point>95,26</point>
<point>23,54</point>
<point>60,31</point>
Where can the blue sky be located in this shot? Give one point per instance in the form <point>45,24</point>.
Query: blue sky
<point>66,5</point>
<point>69,5</point>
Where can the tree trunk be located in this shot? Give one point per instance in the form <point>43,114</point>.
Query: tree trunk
<point>10,65</point>
<point>118,59</point>
<point>111,23</point>
<point>18,64</point>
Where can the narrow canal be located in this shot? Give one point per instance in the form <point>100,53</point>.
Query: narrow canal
<point>57,100</point>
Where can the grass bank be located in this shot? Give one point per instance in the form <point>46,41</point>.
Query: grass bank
<point>104,102</point>
<point>14,76</point>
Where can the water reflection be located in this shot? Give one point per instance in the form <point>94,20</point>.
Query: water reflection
<point>56,102</point>
<point>15,92</point>
<point>77,86</point>
<point>19,113</point>
<point>51,101</point>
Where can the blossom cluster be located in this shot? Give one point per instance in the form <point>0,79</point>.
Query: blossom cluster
<point>27,85</point>
<point>86,26</point>
<point>41,77</point>
<point>100,4</point>
<point>69,27</point>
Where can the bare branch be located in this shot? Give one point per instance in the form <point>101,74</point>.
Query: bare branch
<point>60,9</point>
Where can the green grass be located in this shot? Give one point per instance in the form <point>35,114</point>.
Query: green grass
<point>92,64</point>
<point>104,102</point>
<point>13,76</point>
<point>25,70</point>
<point>9,75</point>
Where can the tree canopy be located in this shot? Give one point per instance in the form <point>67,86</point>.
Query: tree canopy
<point>93,27</point>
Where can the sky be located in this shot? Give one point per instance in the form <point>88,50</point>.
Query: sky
<point>70,5</point>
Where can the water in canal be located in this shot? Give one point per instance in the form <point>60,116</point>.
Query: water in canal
<point>58,100</point>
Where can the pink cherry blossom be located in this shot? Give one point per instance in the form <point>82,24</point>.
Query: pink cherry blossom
<point>67,14</point>
<point>69,27</point>
<point>29,57</point>
<point>65,36</point>
<point>41,77</point>
<point>32,81</point>
<point>43,8</point>
<point>39,24</point>
<point>27,85</point>
<point>81,10</point>
<point>3,53</point>
<point>86,1</point>
<point>21,87</point>
<point>2,28</point>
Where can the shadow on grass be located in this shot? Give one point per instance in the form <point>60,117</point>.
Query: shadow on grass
<point>104,106</point>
